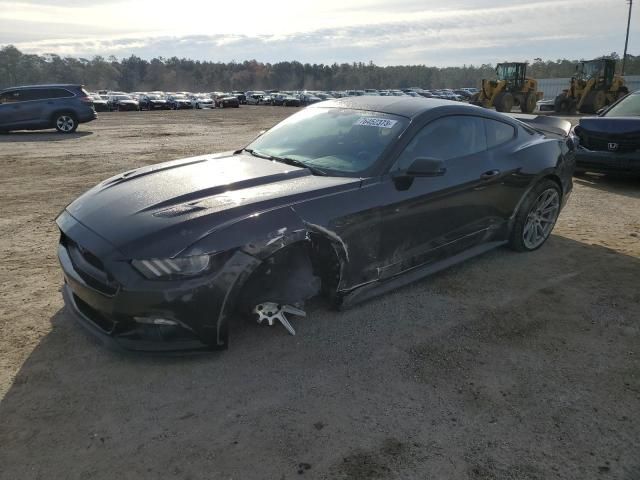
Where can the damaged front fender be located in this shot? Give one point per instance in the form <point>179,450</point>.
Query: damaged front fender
<point>288,263</point>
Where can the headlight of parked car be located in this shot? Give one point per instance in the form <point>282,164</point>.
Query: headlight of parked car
<point>164,268</point>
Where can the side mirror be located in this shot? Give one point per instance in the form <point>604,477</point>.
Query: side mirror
<point>421,167</point>
<point>426,167</point>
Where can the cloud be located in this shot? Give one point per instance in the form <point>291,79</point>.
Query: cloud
<point>385,32</point>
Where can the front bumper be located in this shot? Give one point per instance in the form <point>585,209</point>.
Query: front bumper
<point>607,162</point>
<point>126,107</point>
<point>106,294</point>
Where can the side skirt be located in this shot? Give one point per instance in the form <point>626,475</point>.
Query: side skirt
<point>368,291</point>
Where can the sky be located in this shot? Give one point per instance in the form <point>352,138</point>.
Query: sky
<point>401,32</point>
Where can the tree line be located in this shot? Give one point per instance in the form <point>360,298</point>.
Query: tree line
<point>177,74</point>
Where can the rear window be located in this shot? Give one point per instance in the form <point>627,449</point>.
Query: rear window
<point>58,93</point>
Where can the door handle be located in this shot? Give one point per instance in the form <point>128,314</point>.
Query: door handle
<point>490,174</point>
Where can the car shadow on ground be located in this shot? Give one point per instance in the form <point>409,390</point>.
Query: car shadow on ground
<point>40,136</point>
<point>621,185</point>
<point>508,363</point>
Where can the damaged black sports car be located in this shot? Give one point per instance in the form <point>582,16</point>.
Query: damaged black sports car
<point>348,198</point>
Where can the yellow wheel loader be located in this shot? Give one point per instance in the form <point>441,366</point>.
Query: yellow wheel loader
<point>594,86</point>
<point>512,88</point>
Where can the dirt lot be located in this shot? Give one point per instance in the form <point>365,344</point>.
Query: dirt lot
<point>510,366</point>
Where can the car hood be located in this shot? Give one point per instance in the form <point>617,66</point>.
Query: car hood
<point>615,126</point>
<point>163,209</point>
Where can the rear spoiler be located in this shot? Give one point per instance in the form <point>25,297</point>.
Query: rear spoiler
<point>544,123</point>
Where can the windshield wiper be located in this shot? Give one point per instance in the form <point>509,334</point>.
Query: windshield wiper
<point>287,160</point>
<point>299,163</point>
<point>257,154</point>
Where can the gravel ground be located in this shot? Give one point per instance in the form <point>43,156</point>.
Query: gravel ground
<point>509,366</point>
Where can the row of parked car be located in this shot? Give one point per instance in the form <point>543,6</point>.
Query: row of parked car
<point>108,101</point>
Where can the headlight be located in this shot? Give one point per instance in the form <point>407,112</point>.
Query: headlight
<point>164,268</point>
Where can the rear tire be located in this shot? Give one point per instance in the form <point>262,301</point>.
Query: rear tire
<point>536,217</point>
<point>65,122</point>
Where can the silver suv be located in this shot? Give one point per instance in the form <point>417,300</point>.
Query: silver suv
<point>38,107</point>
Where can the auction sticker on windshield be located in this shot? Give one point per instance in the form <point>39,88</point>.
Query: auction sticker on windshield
<point>376,122</point>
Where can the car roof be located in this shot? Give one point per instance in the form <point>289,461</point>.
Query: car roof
<point>404,106</point>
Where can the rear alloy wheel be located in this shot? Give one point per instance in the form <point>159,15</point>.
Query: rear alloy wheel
<point>66,123</point>
<point>536,218</point>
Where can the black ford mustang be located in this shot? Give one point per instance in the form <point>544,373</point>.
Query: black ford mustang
<point>348,198</point>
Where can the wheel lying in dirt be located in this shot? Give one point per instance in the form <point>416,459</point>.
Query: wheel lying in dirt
<point>536,217</point>
<point>66,122</point>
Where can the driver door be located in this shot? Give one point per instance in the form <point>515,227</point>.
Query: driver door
<point>431,218</point>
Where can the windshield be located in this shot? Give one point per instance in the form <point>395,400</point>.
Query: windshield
<point>343,141</point>
<point>628,107</point>
<point>590,69</point>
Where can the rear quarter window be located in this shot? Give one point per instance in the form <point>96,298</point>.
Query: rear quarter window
<point>11,97</point>
<point>498,132</point>
<point>59,93</point>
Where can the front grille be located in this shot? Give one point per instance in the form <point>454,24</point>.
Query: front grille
<point>601,143</point>
<point>89,267</point>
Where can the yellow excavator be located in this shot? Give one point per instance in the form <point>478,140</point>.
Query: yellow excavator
<point>594,86</point>
<point>512,88</point>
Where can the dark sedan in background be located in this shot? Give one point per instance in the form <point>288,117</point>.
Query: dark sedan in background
<point>610,142</point>
<point>285,100</point>
<point>178,102</point>
<point>153,102</point>
<point>226,100</point>
<point>122,103</point>
<point>348,198</point>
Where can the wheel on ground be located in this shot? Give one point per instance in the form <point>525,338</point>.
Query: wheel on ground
<point>536,217</point>
<point>528,103</point>
<point>66,122</point>
<point>504,102</point>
